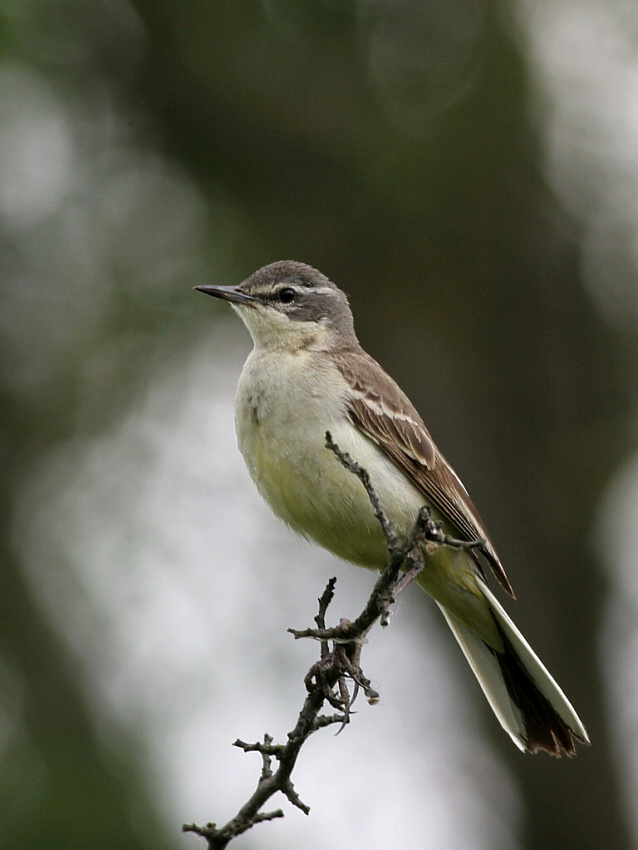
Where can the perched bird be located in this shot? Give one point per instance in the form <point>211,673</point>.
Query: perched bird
<point>307,374</point>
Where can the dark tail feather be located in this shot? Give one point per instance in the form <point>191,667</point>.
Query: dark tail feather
<point>544,728</point>
<point>525,698</point>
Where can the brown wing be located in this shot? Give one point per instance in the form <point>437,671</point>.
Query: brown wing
<point>386,415</point>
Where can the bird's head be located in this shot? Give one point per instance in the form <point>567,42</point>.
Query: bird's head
<point>289,305</point>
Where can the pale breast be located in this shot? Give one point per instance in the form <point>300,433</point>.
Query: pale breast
<point>285,404</point>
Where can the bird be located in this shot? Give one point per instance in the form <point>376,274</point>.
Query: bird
<point>306,375</point>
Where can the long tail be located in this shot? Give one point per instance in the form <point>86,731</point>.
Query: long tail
<point>527,701</point>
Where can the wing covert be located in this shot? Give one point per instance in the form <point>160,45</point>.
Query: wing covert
<point>387,417</point>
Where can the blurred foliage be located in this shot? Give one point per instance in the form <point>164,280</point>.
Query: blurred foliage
<point>148,146</point>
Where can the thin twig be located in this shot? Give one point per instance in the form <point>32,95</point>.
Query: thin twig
<point>328,679</point>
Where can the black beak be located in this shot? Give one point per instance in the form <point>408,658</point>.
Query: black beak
<point>228,293</point>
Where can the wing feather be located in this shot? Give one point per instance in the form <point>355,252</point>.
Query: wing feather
<point>379,408</point>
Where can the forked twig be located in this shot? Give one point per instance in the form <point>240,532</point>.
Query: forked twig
<point>328,679</point>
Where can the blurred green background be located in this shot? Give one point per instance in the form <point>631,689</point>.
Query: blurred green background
<point>468,172</point>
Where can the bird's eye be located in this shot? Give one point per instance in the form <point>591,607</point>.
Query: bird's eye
<point>287,295</point>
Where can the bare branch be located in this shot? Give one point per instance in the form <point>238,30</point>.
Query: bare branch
<point>336,678</point>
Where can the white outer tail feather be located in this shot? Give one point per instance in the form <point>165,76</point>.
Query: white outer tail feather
<point>488,672</point>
